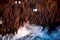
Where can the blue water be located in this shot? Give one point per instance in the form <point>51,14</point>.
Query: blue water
<point>37,34</point>
<point>55,35</point>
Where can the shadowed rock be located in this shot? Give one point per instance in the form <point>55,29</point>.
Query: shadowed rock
<point>15,15</point>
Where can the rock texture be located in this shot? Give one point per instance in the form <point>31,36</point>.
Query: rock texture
<point>15,15</point>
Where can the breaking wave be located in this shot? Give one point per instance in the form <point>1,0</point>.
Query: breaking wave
<point>33,32</point>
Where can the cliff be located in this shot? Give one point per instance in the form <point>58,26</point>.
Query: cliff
<point>15,15</point>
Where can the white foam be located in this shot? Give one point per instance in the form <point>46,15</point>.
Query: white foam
<point>34,10</point>
<point>19,2</point>
<point>15,2</point>
<point>0,21</point>
<point>29,32</point>
<point>28,29</point>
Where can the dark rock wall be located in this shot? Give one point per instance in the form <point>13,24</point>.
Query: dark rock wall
<point>15,15</point>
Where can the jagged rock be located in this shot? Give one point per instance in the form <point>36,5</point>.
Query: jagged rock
<point>15,15</point>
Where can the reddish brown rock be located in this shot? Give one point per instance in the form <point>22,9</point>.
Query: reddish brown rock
<point>15,15</point>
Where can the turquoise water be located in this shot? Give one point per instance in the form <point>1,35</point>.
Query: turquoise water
<point>36,33</point>
<point>55,35</point>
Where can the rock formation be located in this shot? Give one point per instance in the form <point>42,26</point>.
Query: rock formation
<point>15,15</point>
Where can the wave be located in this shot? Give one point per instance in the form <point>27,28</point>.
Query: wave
<point>33,32</point>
